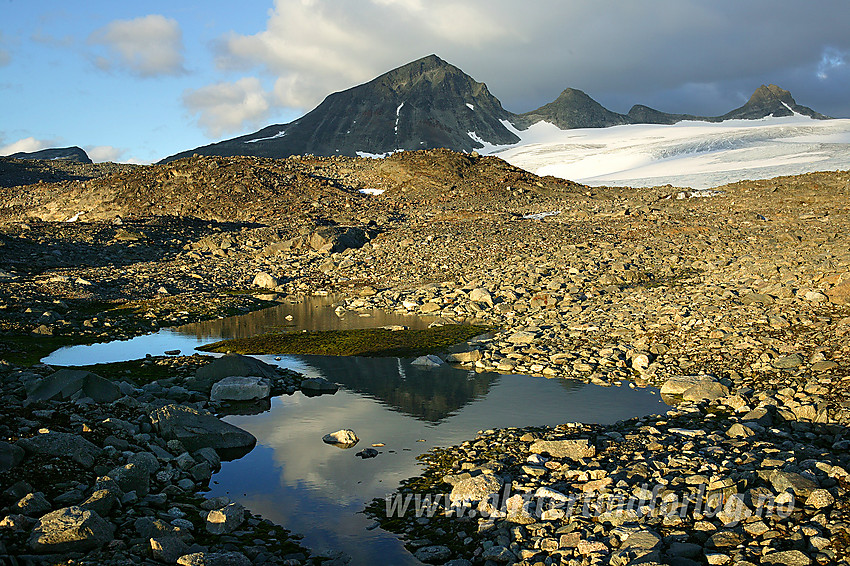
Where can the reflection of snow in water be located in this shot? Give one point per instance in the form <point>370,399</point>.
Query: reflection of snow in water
<point>693,154</point>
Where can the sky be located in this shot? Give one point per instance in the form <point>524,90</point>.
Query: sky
<point>138,81</point>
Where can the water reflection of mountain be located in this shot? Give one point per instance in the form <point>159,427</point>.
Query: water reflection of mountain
<point>426,394</point>
<point>316,313</point>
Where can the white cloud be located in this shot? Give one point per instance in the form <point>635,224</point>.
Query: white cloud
<point>147,46</point>
<point>100,153</point>
<point>28,145</point>
<point>315,47</point>
<point>228,107</point>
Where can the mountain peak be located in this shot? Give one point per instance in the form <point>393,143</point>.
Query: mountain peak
<point>771,100</point>
<point>772,92</point>
<point>573,109</point>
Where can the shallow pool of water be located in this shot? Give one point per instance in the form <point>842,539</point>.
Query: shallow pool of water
<point>319,490</point>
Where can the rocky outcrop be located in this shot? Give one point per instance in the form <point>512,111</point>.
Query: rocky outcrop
<point>71,154</point>
<point>199,429</point>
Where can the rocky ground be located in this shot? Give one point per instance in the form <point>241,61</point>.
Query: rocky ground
<point>749,287</point>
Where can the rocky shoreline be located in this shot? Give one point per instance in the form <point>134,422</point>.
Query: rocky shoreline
<point>749,288</point>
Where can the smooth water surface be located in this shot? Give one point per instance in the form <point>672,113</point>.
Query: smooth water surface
<point>319,490</point>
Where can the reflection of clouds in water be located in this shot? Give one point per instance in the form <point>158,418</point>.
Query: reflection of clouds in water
<point>295,435</point>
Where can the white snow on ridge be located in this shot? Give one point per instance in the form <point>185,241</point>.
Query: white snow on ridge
<point>693,154</point>
<point>372,192</point>
<point>470,106</point>
<point>280,134</point>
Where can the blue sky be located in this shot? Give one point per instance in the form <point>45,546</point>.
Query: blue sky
<point>139,81</point>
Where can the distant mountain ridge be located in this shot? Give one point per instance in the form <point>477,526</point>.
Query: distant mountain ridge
<point>73,153</point>
<point>430,103</point>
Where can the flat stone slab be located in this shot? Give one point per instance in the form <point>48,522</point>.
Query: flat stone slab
<point>574,449</point>
<point>196,430</point>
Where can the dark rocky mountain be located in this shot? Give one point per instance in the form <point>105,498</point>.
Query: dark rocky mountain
<point>74,154</point>
<point>573,109</point>
<point>430,103</point>
<point>771,101</point>
<point>422,105</point>
<point>640,114</point>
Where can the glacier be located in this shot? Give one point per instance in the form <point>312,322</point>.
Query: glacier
<point>693,154</point>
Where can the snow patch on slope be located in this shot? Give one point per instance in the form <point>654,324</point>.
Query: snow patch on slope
<point>280,134</point>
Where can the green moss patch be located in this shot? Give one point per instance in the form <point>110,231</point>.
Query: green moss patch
<point>359,342</point>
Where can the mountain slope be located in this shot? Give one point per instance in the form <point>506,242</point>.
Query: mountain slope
<point>573,109</point>
<point>771,101</point>
<point>73,153</point>
<point>425,104</point>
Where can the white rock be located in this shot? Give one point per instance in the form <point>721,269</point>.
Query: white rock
<point>264,280</point>
<point>345,438</point>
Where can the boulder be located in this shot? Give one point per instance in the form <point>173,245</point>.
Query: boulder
<point>196,430</point>
<point>481,295</point>
<point>318,386</point>
<point>66,383</point>
<point>522,337</point>
<point>345,438</point>
<point>800,485</point>
<point>574,449</point>
<point>475,488</point>
<point>678,384</point>
<point>131,477</point>
<point>10,456</point>
<point>168,549</point>
<point>265,281</point>
<point>225,520</point>
<point>464,357</point>
<point>706,391</point>
<point>240,388</point>
<point>230,365</point>
<point>63,445</point>
<point>429,361</point>
<point>70,529</point>
<point>433,554</point>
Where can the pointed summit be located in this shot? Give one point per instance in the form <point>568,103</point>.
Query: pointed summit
<point>574,109</point>
<point>771,100</point>
<point>425,104</point>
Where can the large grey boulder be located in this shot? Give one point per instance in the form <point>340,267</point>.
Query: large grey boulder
<point>240,388</point>
<point>65,383</point>
<point>196,430</point>
<point>63,445</point>
<point>230,365</point>
<point>70,529</point>
<point>574,449</point>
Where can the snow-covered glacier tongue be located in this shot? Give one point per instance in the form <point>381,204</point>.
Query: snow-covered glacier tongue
<point>687,154</point>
